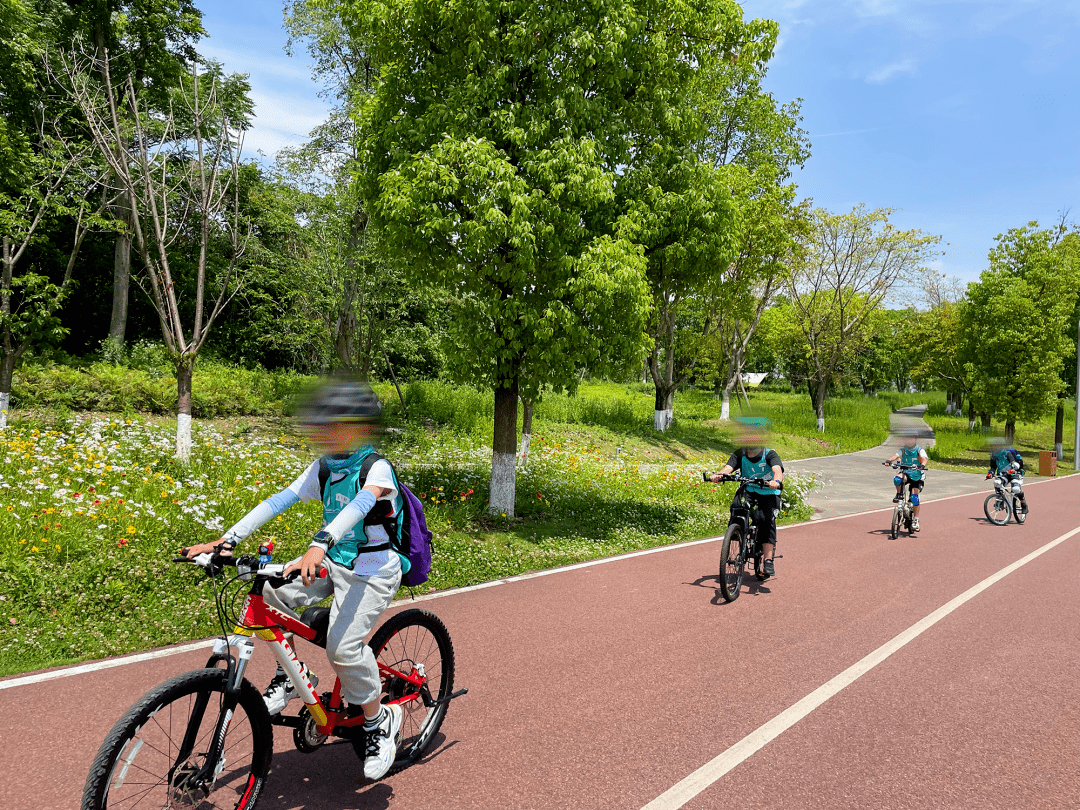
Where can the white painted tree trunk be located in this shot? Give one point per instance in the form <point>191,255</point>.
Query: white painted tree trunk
<point>523,451</point>
<point>5,403</point>
<point>821,424</point>
<point>503,474</point>
<point>725,405</point>
<point>183,436</point>
<point>663,419</point>
<point>1059,451</point>
<point>971,424</point>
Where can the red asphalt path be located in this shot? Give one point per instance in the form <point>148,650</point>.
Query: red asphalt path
<point>604,686</point>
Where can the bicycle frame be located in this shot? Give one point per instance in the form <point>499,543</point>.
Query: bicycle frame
<point>742,513</point>
<point>259,620</point>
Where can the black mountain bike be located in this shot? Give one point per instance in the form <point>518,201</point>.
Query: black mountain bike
<point>740,540</point>
<point>904,511</point>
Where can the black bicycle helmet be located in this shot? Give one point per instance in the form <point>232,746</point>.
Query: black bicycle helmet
<point>340,400</point>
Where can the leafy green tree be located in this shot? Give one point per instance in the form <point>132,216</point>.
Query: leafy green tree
<point>1020,310</point>
<point>850,265</point>
<point>493,141</point>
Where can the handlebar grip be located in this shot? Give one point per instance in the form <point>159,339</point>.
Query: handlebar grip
<point>705,477</point>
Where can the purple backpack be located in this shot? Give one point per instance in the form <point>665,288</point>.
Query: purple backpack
<point>415,543</point>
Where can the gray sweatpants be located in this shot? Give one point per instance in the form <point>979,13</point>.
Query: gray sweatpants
<point>358,603</point>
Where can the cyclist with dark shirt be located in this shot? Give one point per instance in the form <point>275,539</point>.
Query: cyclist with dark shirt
<point>754,460</point>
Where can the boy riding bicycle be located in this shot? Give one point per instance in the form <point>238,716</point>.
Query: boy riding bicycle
<point>1009,464</point>
<point>754,460</point>
<point>354,545</point>
<point>910,454</point>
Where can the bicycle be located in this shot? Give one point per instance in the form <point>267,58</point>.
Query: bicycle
<point>903,512</point>
<point>205,738</point>
<point>1003,504</point>
<point>740,540</point>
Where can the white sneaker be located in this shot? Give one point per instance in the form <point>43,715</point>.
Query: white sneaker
<point>915,525</point>
<point>281,690</point>
<point>382,743</point>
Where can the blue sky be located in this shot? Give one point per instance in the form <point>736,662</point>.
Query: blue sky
<point>962,114</point>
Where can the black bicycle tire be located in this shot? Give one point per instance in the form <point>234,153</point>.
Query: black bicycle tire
<point>98,781</point>
<point>894,532</point>
<point>394,625</point>
<point>986,509</point>
<point>730,594</point>
<point>1018,511</point>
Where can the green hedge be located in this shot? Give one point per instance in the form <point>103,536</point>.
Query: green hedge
<point>218,389</point>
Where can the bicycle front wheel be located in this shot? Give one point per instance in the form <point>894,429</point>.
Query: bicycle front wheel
<point>186,744</point>
<point>997,509</point>
<point>732,564</point>
<point>414,642</point>
<point>1018,513</point>
<point>894,532</point>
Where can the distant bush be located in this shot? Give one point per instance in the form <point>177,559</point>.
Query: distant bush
<point>219,389</point>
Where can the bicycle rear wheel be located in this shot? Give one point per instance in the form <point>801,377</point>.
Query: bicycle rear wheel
<point>997,509</point>
<point>158,754</point>
<point>732,564</point>
<point>1018,513</point>
<point>894,532</point>
<point>414,640</point>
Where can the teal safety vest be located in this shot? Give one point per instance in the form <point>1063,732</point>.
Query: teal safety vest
<point>910,455</point>
<point>757,469</point>
<point>338,492</point>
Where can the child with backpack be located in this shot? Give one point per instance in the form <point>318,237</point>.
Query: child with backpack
<point>1009,464</point>
<point>366,515</point>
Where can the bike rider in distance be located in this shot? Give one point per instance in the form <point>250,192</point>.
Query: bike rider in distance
<point>754,460</point>
<point>363,571</point>
<point>1007,462</point>
<point>911,453</point>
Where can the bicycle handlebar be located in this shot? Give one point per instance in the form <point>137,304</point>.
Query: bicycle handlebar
<point>761,482</point>
<point>898,466</point>
<point>213,562</point>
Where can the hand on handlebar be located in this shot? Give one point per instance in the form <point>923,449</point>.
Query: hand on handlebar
<point>308,566</point>
<point>224,547</point>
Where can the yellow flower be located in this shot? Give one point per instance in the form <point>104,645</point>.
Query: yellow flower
<point>33,548</point>
<point>58,548</point>
<point>131,530</point>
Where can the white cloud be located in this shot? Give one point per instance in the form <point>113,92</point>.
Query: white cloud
<point>890,71</point>
<point>283,120</point>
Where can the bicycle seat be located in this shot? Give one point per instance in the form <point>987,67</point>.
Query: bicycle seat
<point>318,619</point>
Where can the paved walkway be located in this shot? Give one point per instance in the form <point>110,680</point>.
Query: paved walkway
<point>856,482</point>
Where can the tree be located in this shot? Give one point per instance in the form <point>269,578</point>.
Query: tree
<point>850,265</point>
<point>184,184</point>
<point>492,145</point>
<point>1020,310</point>
<point>150,42</point>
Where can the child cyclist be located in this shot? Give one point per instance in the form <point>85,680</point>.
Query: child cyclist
<point>910,454</point>
<point>363,571</point>
<point>1008,463</point>
<point>754,460</point>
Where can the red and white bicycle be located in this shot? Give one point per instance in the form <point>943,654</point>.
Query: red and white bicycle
<point>205,738</point>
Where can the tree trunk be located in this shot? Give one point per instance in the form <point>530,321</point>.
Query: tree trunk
<point>1010,431</point>
<point>121,275</point>
<point>985,417</point>
<point>818,391</point>
<point>664,410</point>
<point>7,371</point>
<point>397,387</point>
<point>185,368</point>
<point>971,416</point>
<point>725,402</point>
<point>526,430</point>
<point>1059,431</point>
<point>504,450</point>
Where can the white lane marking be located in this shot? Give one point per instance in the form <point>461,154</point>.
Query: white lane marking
<point>108,664</point>
<point>683,791</point>
<point>147,656</point>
